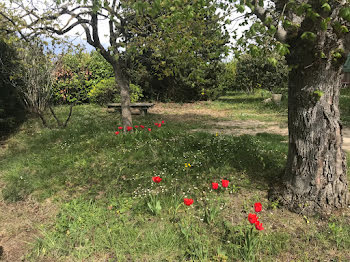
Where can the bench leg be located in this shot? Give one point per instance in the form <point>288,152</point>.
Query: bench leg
<point>142,111</point>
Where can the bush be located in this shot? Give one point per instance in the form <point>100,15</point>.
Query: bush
<point>135,93</point>
<point>227,76</point>
<point>261,72</point>
<point>105,92</point>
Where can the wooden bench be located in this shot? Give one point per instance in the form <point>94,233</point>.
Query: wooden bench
<point>142,107</point>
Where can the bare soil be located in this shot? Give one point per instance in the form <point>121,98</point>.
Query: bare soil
<point>19,226</point>
<point>188,111</point>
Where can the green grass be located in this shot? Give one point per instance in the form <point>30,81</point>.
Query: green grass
<point>344,104</point>
<point>101,184</point>
<point>245,106</point>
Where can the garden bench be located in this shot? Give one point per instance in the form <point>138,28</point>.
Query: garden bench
<point>142,107</point>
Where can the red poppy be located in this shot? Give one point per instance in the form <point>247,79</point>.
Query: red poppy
<point>129,128</point>
<point>136,126</point>
<point>120,127</point>
<point>163,122</point>
<point>188,201</point>
<point>149,129</point>
<point>214,185</point>
<point>142,126</point>
<point>252,218</point>
<point>117,133</point>
<point>257,207</point>
<point>156,179</point>
<point>259,226</point>
<point>159,125</point>
<point>224,183</point>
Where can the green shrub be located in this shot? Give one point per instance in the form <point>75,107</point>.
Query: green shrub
<point>227,76</point>
<point>135,93</point>
<point>105,91</point>
<point>261,72</point>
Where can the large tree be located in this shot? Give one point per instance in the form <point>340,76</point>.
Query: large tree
<point>129,25</point>
<point>314,36</point>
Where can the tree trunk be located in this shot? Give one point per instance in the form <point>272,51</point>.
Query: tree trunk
<point>315,177</point>
<point>123,84</point>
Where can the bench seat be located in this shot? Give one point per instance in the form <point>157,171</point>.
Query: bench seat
<point>142,107</point>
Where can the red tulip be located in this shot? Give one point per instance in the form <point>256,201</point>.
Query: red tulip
<point>252,218</point>
<point>215,185</point>
<point>120,128</point>
<point>129,128</point>
<point>117,132</point>
<point>224,183</point>
<point>149,129</point>
<point>136,126</point>
<point>159,125</point>
<point>259,226</point>
<point>188,201</point>
<point>257,207</point>
<point>155,124</point>
<point>156,179</point>
<point>142,126</point>
<point>163,122</point>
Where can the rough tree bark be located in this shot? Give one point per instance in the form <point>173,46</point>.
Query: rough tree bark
<point>123,83</point>
<point>315,177</point>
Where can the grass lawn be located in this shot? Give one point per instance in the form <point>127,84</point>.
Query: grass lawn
<point>94,193</point>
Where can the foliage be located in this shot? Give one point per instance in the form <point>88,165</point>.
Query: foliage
<point>11,108</point>
<point>105,91</point>
<point>183,64</point>
<point>227,76</point>
<point>255,72</point>
<point>72,77</point>
<point>135,93</point>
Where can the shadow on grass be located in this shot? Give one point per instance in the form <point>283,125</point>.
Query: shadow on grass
<point>88,157</point>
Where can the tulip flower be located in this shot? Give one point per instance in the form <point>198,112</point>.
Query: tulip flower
<point>188,201</point>
<point>215,185</point>
<point>224,183</point>
<point>252,218</point>
<point>257,207</point>
<point>259,226</point>
<point>156,179</point>
<point>117,133</point>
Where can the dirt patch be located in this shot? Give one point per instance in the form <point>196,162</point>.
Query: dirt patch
<point>198,108</point>
<point>250,127</point>
<point>19,226</point>
<point>346,139</point>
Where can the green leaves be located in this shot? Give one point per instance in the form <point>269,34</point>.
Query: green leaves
<point>325,23</point>
<point>308,36</point>
<point>345,13</point>
<point>282,49</point>
<point>326,7</point>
